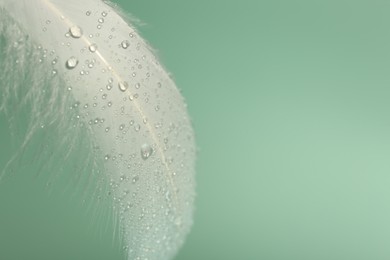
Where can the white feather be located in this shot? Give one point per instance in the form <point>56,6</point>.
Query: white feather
<point>120,96</point>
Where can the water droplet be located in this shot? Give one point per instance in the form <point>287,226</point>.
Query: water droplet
<point>88,13</point>
<point>137,86</point>
<point>101,20</point>
<point>146,151</point>
<point>168,196</point>
<point>121,127</point>
<point>125,44</point>
<point>75,31</point>
<point>107,129</point>
<point>93,47</point>
<point>135,179</point>
<point>123,86</point>
<point>106,157</point>
<point>71,63</point>
<point>104,14</point>
<point>54,61</point>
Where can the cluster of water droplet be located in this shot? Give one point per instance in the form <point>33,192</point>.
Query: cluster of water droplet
<point>139,121</point>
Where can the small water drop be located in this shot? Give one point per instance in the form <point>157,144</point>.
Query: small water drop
<point>54,61</point>
<point>146,151</point>
<point>101,20</point>
<point>137,86</point>
<point>93,47</point>
<point>104,14</point>
<point>71,63</point>
<point>125,44</point>
<point>75,31</point>
<point>167,197</point>
<point>135,179</point>
<point>123,86</point>
<point>88,13</point>
<point>106,157</point>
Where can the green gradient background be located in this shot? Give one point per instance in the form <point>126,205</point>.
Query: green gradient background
<point>290,101</point>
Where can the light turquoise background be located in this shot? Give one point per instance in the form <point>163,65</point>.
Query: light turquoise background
<point>290,104</point>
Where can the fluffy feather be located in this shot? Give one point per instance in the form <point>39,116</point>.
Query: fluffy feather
<point>80,66</point>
